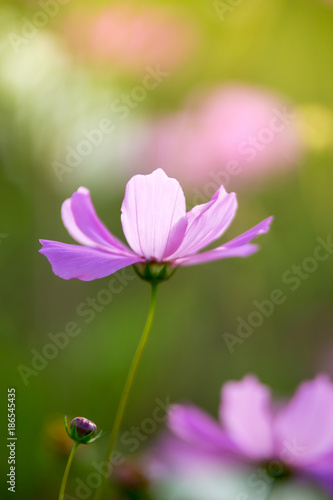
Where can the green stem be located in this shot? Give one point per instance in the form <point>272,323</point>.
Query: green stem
<point>271,490</point>
<point>68,466</point>
<point>129,382</point>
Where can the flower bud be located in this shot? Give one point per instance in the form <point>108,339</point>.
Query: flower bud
<point>82,430</point>
<point>83,426</point>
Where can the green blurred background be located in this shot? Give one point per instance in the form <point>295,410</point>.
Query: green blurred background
<point>49,93</point>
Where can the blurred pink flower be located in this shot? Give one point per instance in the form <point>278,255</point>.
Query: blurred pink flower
<point>156,226</point>
<point>133,37</point>
<point>293,439</point>
<point>236,129</point>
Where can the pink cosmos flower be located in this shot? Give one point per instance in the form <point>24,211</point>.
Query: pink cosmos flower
<point>237,131</point>
<point>294,438</point>
<point>133,37</point>
<point>156,226</point>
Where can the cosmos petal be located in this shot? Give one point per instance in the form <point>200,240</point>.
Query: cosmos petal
<point>83,263</point>
<point>196,427</point>
<point>238,247</point>
<point>307,420</point>
<point>153,215</point>
<point>82,223</point>
<point>207,222</point>
<point>246,415</point>
<point>219,253</point>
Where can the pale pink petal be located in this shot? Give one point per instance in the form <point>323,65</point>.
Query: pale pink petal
<point>306,422</point>
<point>207,222</point>
<point>246,414</point>
<point>238,247</point>
<point>196,427</point>
<point>83,263</point>
<point>217,254</point>
<point>82,223</point>
<point>261,228</point>
<point>153,215</point>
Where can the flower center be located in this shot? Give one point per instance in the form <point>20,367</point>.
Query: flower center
<point>277,470</point>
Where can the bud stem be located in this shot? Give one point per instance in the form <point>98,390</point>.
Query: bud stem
<point>129,382</point>
<point>68,466</point>
<point>271,490</point>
